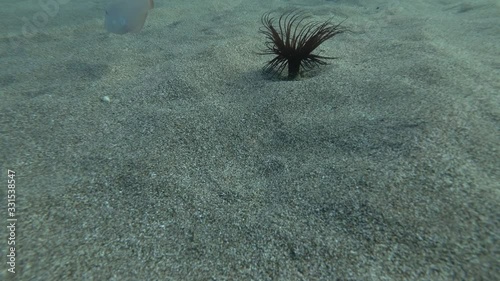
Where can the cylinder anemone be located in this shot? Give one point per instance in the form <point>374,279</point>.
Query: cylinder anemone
<point>292,40</point>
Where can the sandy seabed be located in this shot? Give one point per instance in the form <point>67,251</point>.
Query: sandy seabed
<point>168,155</point>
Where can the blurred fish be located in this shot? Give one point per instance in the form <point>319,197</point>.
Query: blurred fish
<point>127,16</point>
